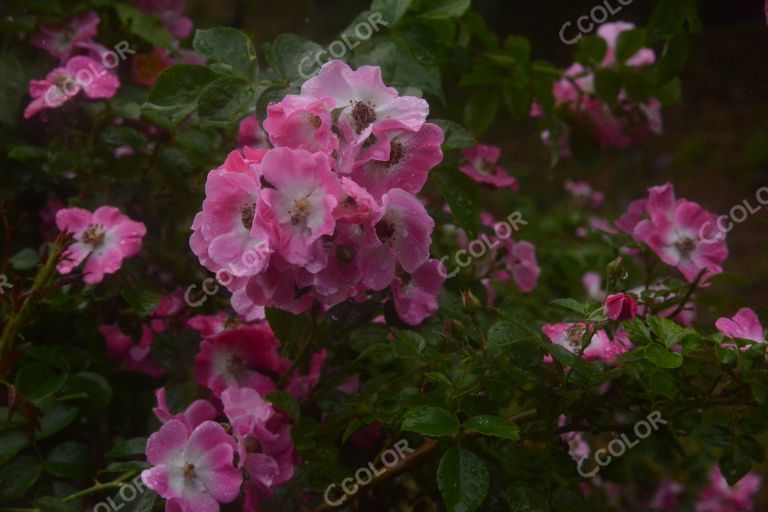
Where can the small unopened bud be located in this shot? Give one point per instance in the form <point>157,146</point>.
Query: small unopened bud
<point>470,301</point>
<point>615,270</point>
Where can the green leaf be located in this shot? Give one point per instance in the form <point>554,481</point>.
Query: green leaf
<point>128,466</point>
<point>629,43</point>
<point>571,304</point>
<point>607,84</point>
<point>226,101</point>
<point>286,402</point>
<point>734,464</point>
<point>492,426</point>
<point>37,380</point>
<point>408,343</point>
<point>674,57</point>
<point>142,300</point>
<point>11,443</point>
<point>20,475</point>
<point>228,46</point>
<point>293,57</point>
<point>592,49</point>
<point>480,111</point>
<point>26,153</point>
<point>463,480</point>
<point>442,9</point>
<point>177,90</point>
<point>430,421</point>
<point>96,388</point>
<point>53,504</point>
<point>662,357</point>
<point>462,195</point>
<point>456,136</point>
<point>144,25</point>
<point>69,459</point>
<point>56,418</point>
<point>390,10</point>
<point>128,448</point>
<point>25,259</point>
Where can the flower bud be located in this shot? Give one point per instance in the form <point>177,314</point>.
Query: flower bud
<point>620,306</point>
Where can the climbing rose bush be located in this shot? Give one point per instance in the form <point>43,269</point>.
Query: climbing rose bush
<point>240,277</point>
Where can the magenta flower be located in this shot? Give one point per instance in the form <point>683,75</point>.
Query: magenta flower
<point>667,496</point>
<point>299,122</point>
<point>209,325</point>
<point>620,306</point>
<point>61,84</point>
<point>298,210</point>
<point>582,192</point>
<point>134,357</point>
<point>249,133</point>
<point>743,325</point>
<point>483,167</point>
<point>682,234</point>
<point>241,357</point>
<point>105,237</point>
<point>264,444</point>
<point>230,237</point>
<point>59,40</point>
<point>364,99</point>
<point>571,337</point>
<point>415,295</point>
<point>301,386</point>
<point>170,13</point>
<point>193,469</point>
<point>521,262</point>
<point>720,497</point>
<point>399,158</point>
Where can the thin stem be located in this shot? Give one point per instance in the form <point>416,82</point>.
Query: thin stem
<point>305,343</point>
<point>691,289</point>
<point>16,321</point>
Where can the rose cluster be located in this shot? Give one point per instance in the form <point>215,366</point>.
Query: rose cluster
<point>329,212</point>
<point>197,463</point>
<point>616,126</point>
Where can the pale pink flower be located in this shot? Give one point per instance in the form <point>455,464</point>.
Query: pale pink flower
<point>193,469</point>
<point>170,13</point>
<point>61,84</point>
<point>720,497</point>
<point>134,357</point>
<point>298,210</point>
<point>743,325</point>
<point>667,496</point>
<point>582,192</point>
<point>364,100</point>
<point>299,122</point>
<point>571,337</point>
<point>59,40</point>
<point>483,167</point>
<point>415,295</point>
<point>249,133</point>
<point>241,357</point>
<point>105,237</point>
<point>682,234</point>
<point>398,158</point>
<point>520,260</point>
<point>197,413</point>
<point>593,285</point>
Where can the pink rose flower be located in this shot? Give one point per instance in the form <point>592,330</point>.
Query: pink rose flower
<point>62,84</point>
<point>59,40</point>
<point>720,497</point>
<point>134,357</point>
<point>571,337</point>
<point>521,262</point>
<point>620,306</point>
<point>103,238</point>
<point>170,13</point>
<point>249,133</point>
<point>364,100</point>
<point>194,470</point>
<point>197,413</point>
<point>483,167</point>
<point>682,234</point>
<point>241,357</point>
<point>743,325</point>
<point>299,122</point>
<point>415,295</point>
